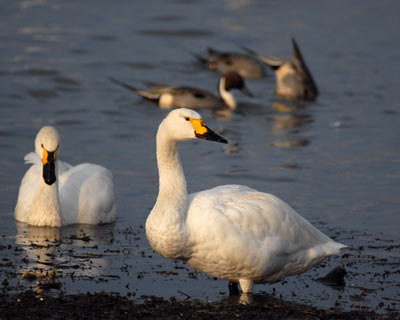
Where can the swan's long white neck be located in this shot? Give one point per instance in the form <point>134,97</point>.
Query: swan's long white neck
<point>45,209</point>
<point>225,95</point>
<point>166,224</point>
<point>172,179</point>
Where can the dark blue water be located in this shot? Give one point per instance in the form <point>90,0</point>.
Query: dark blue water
<point>336,160</point>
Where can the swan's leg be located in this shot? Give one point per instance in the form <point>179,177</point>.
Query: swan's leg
<point>233,288</point>
<point>246,285</point>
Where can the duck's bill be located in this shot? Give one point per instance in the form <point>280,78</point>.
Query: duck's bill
<point>49,167</point>
<point>247,92</point>
<point>203,132</point>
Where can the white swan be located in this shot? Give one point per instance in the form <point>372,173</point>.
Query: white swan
<point>55,194</point>
<point>231,232</point>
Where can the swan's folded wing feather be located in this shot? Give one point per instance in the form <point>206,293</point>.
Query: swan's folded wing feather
<point>261,218</point>
<point>32,158</point>
<point>87,195</point>
<point>63,167</point>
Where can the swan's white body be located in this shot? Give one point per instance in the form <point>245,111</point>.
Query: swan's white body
<point>80,194</point>
<point>231,232</point>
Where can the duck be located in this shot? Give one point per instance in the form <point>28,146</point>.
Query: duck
<point>293,78</point>
<point>246,65</point>
<point>230,232</point>
<point>56,194</point>
<point>169,96</point>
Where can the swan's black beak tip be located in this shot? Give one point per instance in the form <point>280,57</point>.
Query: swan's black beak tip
<point>49,173</point>
<point>49,167</point>
<point>223,140</point>
<point>211,136</point>
<point>50,181</point>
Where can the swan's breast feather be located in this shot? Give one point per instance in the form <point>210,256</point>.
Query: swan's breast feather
<point>26,192</point>
<point>29,184</point>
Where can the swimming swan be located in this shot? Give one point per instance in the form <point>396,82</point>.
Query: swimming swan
<point>231,232</point>
<point>54,193</point>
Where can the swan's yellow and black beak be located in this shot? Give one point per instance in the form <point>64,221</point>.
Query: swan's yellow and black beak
<point>49,166</point>
<point>203,132</point>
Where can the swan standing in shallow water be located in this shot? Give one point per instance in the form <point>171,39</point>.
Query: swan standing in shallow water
<point>55,194</point>
<point>231,232</point>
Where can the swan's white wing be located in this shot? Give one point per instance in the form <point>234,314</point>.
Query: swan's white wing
<point>252,234</point>
<point>62,167</point>
<point>32,158</point>
<point>87,195</point>
<point>30,183</point>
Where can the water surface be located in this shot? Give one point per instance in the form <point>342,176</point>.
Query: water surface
<point>336,160</point>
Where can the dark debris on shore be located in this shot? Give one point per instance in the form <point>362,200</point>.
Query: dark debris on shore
<point>30,305</point>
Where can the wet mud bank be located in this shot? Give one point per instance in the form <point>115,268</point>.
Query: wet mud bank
<point>85,272</point>
<point>29,305</point>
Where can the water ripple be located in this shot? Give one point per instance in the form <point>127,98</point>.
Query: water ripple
<point>177,33</point>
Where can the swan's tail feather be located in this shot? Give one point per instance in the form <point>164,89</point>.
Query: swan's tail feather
<point>333,248</point>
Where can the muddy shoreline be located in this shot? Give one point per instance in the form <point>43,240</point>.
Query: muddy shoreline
<point>31,305</point>
<point>84,270</point>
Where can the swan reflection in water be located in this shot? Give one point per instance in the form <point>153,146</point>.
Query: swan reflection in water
<point>72,250</point>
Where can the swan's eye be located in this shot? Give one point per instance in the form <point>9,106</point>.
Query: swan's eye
<point>187,118</point>
<point>42,145</point>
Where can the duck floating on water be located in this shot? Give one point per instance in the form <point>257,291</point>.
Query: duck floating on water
<point>55,194</point>
<point>170,96</point>
<point>246,65</point>
<point>293,78</point>
<point>231,232</point>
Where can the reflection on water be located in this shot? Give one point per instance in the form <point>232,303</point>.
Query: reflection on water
<point>54,71</point>
<point>289,120</point>
<point>223,114</point>
<point>43,93</point>
<point>177,33</point>
<point>69,250</point>
<point>40,245</point>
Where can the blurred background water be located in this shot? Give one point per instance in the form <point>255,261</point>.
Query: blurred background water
<point>335,160</point>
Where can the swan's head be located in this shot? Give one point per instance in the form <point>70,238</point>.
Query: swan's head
<point>46,146</point>
<point>184,124</point>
